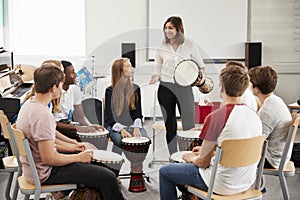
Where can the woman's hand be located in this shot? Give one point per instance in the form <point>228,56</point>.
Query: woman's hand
<point>154,79</point>
<point>136,132</point>
<point>125,134</point>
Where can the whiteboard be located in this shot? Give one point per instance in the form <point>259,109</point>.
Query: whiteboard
<point>218,27</point>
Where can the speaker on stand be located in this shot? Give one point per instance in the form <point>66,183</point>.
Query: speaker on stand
<point>253,54</point>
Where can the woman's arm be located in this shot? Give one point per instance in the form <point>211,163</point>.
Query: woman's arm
<point>109,118</point>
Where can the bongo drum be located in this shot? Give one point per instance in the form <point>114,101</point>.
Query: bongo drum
<point>187,140</point>
<point>98,139</point>
<point>135,150</point>
<point>187,73</point>
<point>108,159</point>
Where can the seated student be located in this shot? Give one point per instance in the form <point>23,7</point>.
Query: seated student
<point>70,101</point>
<point>234,120</point>
<point>62,142</point>
<point>274,113</point>
<point>123,110</point>
<point>38,125</point>
<point>248,97</point>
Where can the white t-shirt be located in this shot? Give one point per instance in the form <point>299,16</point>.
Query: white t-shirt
<point>187,50</point>
<point>276,119</point>
<point>231,122</point>
<point>68,100</point>
<point>248,98</point>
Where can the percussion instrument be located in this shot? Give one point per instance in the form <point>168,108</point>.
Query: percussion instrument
<point>187,140</point>
<point>177,156</point>
<point>187,73</point>
<point>108,159</point>
<point>98,139</point>
<point>135,150</point>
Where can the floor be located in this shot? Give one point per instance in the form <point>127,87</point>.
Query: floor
<point>152,193</point>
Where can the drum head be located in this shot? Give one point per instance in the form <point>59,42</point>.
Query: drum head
<point>106,156</point>
<point>177,156</point>
<point>136,140</point>
<point>99,133</point>
<point>189,134</point>
<point>186,72</point>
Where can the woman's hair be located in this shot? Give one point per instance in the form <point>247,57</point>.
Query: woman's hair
<point>177,23</point>
<point>264,77</point>
<point>123,91</point>
<point>56,107</point>
<point>235,80</point>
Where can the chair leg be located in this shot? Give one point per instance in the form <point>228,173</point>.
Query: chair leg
<point>8,187</point>
<point>284,188</point>
<point>153,153</point>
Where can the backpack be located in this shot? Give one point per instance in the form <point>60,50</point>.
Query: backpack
<point>85,193</point>
<point>296,154</point>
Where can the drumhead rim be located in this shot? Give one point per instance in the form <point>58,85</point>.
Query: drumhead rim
<point>194,77</point>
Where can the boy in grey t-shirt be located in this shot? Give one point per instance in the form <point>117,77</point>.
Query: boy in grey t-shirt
<point>273,113</point>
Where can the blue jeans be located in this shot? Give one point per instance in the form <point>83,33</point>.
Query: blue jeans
<point>178,174</point>
<point>116,137</point>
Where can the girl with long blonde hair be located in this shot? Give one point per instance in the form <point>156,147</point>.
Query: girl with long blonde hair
<point>123,110</point>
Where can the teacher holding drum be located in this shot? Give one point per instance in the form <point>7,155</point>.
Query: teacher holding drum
<point>172,90</point>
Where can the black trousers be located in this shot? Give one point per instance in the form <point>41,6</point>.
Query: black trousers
<point>90,175</point>
<point>170,95</point>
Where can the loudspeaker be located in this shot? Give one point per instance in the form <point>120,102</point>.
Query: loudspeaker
<point>128,51</point>
<point>253,54</point>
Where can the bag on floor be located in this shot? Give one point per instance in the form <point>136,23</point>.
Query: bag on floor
<point>296,154</point>
<point>85,193</point>
<point>3,152</point>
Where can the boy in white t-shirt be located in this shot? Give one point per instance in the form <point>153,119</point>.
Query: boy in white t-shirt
<point>234,120</point>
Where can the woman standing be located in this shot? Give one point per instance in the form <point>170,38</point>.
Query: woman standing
<point>174,49</point>
<point>123,110</point>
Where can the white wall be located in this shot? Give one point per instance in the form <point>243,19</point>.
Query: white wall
<point>109,23</point>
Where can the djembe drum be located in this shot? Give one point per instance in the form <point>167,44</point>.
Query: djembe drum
<point>187,140</point>
<point>98,139</point>
<point>108,159</point>
<point>177,158</point>
<point>135,150</point>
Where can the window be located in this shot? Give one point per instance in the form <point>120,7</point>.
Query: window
<point>48,27</point>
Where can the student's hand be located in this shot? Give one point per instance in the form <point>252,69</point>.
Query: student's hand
<point>188,157</point>
<point>98,127</point>
<point>125,134</point>
<point>88,145</point>
<point>79,147</point>
<point>196,150</point>
<point>136,132</point>
<point>86,129</point>
<point>154,79</point>
<point>85,156</point>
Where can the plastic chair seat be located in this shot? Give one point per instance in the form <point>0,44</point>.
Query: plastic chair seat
<point>10,162</point>
<point>288,170</point>
<point>249,194</point>
<point>28,188</point>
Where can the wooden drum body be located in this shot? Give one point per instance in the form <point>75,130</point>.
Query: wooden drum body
<point>98,139</point>
<point>187,140</point>
<point>110,160</point>
<point>135,150</point>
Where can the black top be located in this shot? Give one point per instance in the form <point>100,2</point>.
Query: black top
<point>128,116</point>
